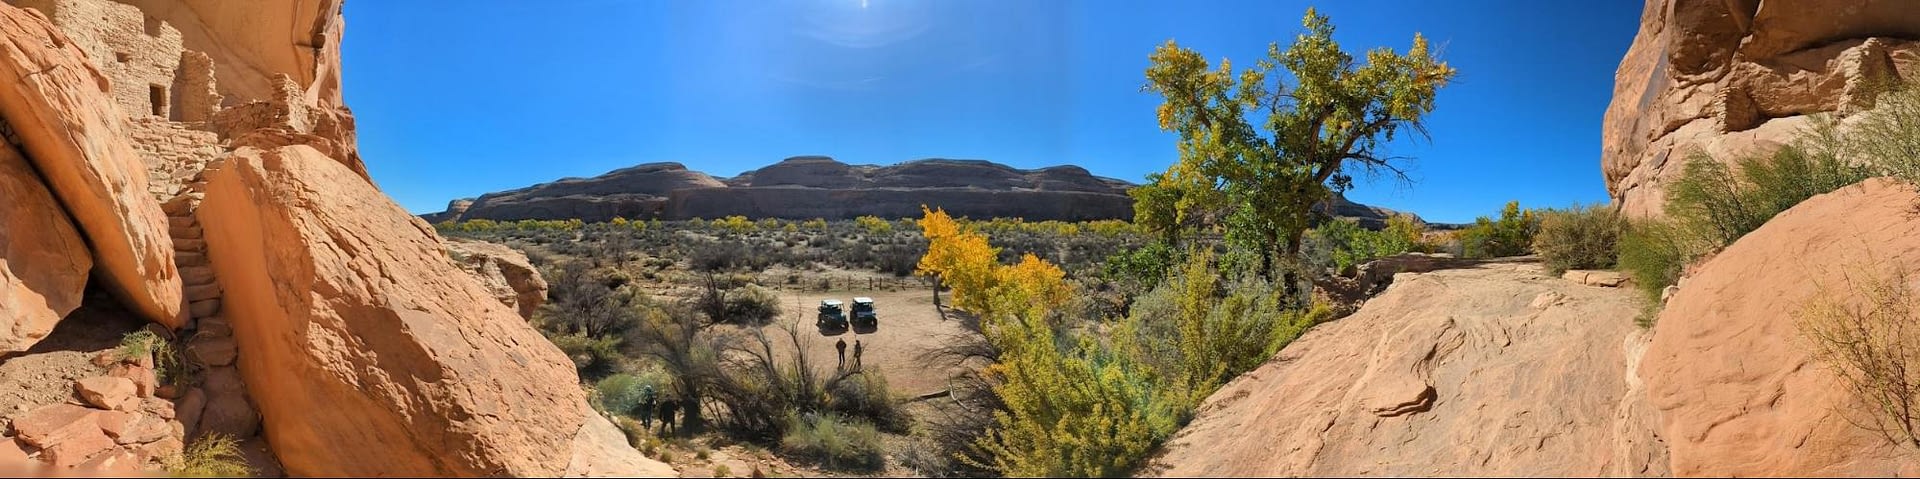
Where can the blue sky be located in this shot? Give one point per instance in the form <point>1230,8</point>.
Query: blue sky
<point>458,98</point>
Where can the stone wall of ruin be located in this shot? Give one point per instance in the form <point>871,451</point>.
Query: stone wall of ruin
<point>174,152</point>
<point>287,111</point>
<point>138,53</point>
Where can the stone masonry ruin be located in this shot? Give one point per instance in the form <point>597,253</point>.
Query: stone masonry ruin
<point>179,123</point>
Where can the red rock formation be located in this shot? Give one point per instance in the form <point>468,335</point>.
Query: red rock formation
<point>367,350</point>
<point>1734,77</point>
<point>1738,391</point>
<point>1487,370</point>
<point>504,271</point>
<point>64,118</point>
<point>43,261</point>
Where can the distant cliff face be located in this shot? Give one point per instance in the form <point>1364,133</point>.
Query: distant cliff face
<point>1741,77</point>
<point>812,187</point>
<point>806,187</point>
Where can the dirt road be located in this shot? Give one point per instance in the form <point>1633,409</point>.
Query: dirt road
<point>909,326</point>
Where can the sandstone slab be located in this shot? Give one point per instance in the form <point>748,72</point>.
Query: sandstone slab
<point>505,272</point>
<point>106,392</point>
<point>43,260</point>
<point>1487,369</point>
<point>405,365</point>
<point>55,423</point>
<point>1600,278</point>
<point>1738,391</point>
<point>58,105</point>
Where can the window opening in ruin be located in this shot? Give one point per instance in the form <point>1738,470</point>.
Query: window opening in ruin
<point>157,95</point>
<point>153,27</point>
<point>122,57</point>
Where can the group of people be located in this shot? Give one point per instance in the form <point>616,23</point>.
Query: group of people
<point>841,347</point>
<point>651,404</point>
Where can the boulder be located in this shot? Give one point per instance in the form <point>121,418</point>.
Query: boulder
<point>107,392</point>
<point>59,108</point>
<point>405,365</point>
<point>1604,279</point>
<point>1739,392</point>
<point>75,451</point>
<point>212,350</point>
<point>65,434</point>
<point>1483,369</point>
<point>189,408</point>
<point>43,260</point>
<point>227,409</point>
<point>118,424</point>
<point>1729,78</point>
<point>601,450</point>
<point>144,378</point>
<point>505,272</point>
<point>52,424</point>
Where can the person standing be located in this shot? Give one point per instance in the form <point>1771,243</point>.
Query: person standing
<point>647,402</point>
<point>857,349</point>
<point>841,347</point>
<point>668,407</point>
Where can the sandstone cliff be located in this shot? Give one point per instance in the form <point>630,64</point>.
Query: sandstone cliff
<point>807,187</point>
<point>1741,77</point>
<point>812,187</point>
<point>56,105</point>
<point>195,159</point>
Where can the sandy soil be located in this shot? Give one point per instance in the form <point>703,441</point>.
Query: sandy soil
<point>45,373</point>
<point>909,327</point>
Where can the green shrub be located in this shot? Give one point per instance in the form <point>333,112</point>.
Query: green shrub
<point>213,455</point>
<point>1510,235</point>
<point>1581,237</point>
<point>592,357</point>
<point>139,344</point>
<point>166,359</point>
<point>1341,243</point>
<point>874,226</point>
<point>1713,202</point>
<point>621,393</point>
<point>1888,137</point>
<point>1654,253</point>
<point>1140,268</point>
<point>832,440</point>
<point>867,397</point>
<point>1405,233</point>
<point>752,304</point>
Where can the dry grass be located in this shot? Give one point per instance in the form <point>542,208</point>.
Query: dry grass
<point>214,455</point>
<point>1867,335</point>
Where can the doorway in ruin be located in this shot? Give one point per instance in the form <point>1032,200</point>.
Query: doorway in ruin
<point>157,96</point>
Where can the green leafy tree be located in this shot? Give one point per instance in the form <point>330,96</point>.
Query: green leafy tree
<point>1267,150</point>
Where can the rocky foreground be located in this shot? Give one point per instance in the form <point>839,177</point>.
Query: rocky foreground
<point>1492,368</point>
<point>1499,369</point>
<point>235,217</point>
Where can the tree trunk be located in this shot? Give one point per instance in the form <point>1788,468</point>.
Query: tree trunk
<point>690,419</point>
